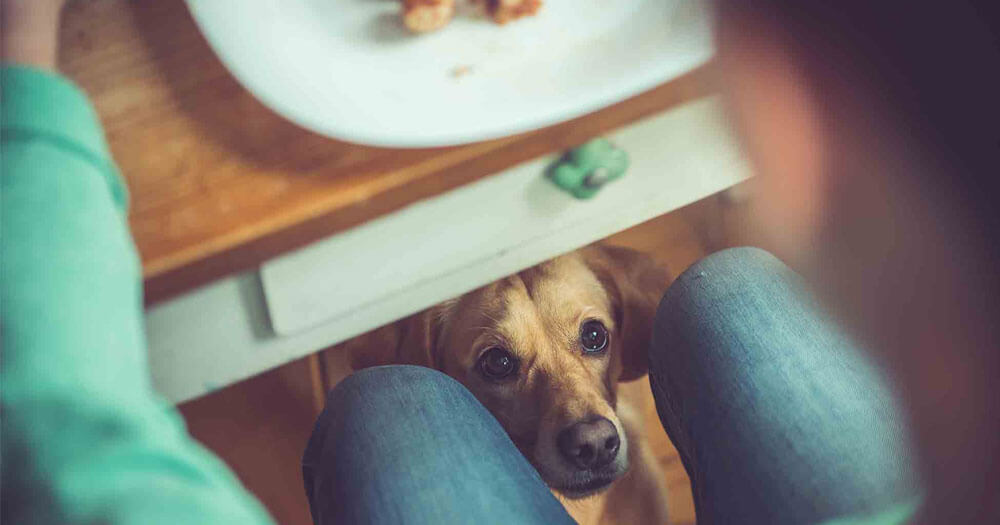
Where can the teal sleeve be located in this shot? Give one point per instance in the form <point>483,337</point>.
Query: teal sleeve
<point>84,437</point>
<point>897,515</point>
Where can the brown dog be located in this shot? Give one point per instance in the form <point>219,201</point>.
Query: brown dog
<point>544,351</point>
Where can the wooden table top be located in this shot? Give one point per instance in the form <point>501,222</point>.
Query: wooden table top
<point>219,183</point>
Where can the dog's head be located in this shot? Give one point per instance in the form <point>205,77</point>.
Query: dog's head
<point>544,351</point>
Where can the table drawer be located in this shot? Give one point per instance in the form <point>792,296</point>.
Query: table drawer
<point>406,261</point>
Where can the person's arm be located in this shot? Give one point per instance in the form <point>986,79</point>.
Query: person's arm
<point>84,438</point>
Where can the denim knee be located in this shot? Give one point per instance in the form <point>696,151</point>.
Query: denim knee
<point>369,383</point>
<point>705,290</point>
<point>717,274</point>
<point>382,390</point>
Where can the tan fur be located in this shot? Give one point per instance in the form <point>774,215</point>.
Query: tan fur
<point>537,315</point>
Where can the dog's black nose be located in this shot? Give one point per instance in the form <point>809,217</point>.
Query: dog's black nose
<point>589,444</point>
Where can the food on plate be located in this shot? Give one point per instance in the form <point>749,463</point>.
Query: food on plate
<point>504,11</point>
<point>422,16</point>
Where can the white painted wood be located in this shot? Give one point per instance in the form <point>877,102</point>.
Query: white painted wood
<point>349,69</point>
<point>439,248</point>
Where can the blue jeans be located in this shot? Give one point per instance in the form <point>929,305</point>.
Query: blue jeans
<point>778,419</point>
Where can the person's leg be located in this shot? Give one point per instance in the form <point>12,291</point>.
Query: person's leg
<point>407,444</point>
<point>777,416</point>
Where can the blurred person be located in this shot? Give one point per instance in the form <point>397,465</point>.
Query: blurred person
<point>874,130</point>
<point>874,134</point>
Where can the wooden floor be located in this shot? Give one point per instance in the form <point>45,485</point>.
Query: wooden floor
<point>260,426</point>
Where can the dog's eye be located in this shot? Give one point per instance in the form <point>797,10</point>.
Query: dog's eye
<point>593,337</point>
<point>497,363</point>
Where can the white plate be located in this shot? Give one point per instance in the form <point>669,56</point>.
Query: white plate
<point>350,70</point>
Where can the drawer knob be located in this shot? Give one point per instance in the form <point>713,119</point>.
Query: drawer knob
<point>584,170</point>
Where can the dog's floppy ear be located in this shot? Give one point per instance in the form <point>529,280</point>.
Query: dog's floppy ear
<point>635,283</point>
<point>409,341</point>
